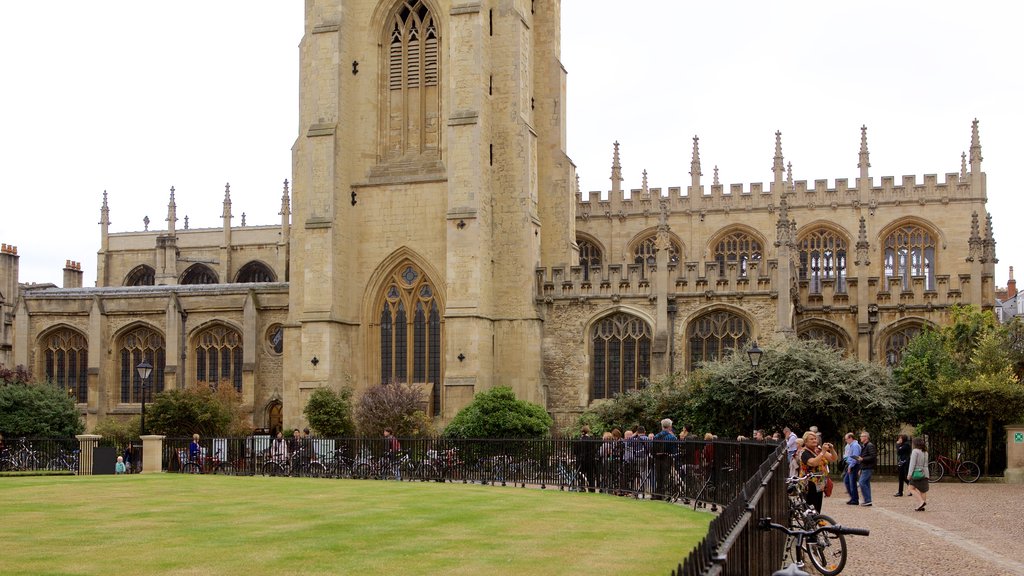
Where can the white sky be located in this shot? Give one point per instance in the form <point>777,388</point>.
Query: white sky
<point>134,97</point>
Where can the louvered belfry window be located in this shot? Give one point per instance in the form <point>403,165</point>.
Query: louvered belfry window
<point>413,94</point>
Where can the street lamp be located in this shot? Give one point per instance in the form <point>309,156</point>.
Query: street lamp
<point>145,369</point>
<point>754,354</point>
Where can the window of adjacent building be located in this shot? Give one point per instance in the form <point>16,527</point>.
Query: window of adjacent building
<point>410,331</point>
<point>199,274</point>
<point>218,357</point>
<point>141,275</point>
<point>897,341</point>
<point>255,272</point>
<point>66,357</point>
<point>910,251</point>
<point>141,344</point>
<point>590,255</point>
<point>412,106</point>
<point>275,339</point>
<point>621,358</point>
<point>715,335</point>
<point>737,247</point>
<point>823,257</point>
<point>830,336</point>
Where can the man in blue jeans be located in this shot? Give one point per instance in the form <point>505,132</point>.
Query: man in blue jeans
<point>850,456</point>
<point>868,457</point>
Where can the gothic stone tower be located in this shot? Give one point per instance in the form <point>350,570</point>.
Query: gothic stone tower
<point>430,181</point>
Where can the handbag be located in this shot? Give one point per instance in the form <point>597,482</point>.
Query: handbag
<point>828,486</point>
<point>918,474</point>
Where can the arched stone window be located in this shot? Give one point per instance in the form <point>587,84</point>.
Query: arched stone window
<point>66,357</point>
<point>910,251</point>
<point>715,335</point>
<point>621,359</point>
<point>823,257</point>
<point>218,357</point>
<point>827,334</point>
<point>739,247</point>
<point>255,272</point>
<point>897,341</point>
<point>590,255</point>
<point>141,275</point>
<point>412,72</point>
<point>142,343</point>
<point>645,252</point>
<point>199,274</point>
<point>410,331</point>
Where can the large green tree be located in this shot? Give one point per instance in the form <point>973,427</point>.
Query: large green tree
<point>497,413</point>
<point>197,409</point>
<point>38,409</point>
<point>329,412</point>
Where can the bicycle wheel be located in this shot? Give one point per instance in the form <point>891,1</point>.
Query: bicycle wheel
<point>223,468</point>
<point>193,468</point>
<point>968,472</point>
<point>317,470</point>
<point>827,551</point>
<point>429,472</point>
<point>269,469</point>
<point>361,471</point>
<point>530,470</point>
<point>935,471</point>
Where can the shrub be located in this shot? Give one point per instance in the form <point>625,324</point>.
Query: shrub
<point>35,408</point>
<point>399,407</point>
<point>497,413</point>
<point>120,430</point>
<point>197,410</point>
<point>329,412</point>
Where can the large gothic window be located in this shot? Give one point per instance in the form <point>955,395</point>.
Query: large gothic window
<point>621,359</point>
<point>199,274</point>
<point>590,255</point>
<point>897,341</point>
<point>412,99</point>
<point>66,354</point>
<point>410,331</point>
<point>141,344</point>
<point>715,335</point>
<point>141,275</point>
<point>737,247</point>
<point>823,257</point>
<point>826,334</point>
<point>255,272</point>
<point>218,357</point>
<point>910,251</point>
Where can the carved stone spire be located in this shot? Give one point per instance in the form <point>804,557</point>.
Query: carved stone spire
<point>577,185</point>
<point>644,190</point>
<point>172,218</point>
<point>662,241</point>
<point>862,244</point>
<point>104,214</point>
<point>695,172</point>
<point>784,226</point>
<point>988,243</point>
<point>864,163</point>
<point>789,178</point>
<point>616,170</point>
<point>226,213</point>
<point>963,167</point>
<point>974,244</point>
<point>145,223</point>
<point>975,148</point>
<point>777,166</point>
<point>715,181</point>
<point>285,202</point>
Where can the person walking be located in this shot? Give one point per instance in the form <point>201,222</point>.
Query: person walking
<point>868,457</point>
<point>903,450</point>
<point>851,453</point>
<point>918,473</point>
<point>791,446</point>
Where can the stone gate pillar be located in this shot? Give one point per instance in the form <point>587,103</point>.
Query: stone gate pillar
<point>86,444</point>
<point>152,453</point>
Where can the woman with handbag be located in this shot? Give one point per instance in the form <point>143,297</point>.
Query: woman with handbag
<point>918,475</point>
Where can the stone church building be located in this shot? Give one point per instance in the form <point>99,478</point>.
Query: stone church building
<point>432,232</point>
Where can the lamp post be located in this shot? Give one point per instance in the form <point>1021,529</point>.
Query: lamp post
<point>754,354</point>
<point>145,369</point>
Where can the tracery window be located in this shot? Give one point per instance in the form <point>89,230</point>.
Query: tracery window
<point>590,255</point>
<point>910,251</point>
<point>141,275</point>
<point>828,335</point>
<point>218,357</point>
<point>715,335</point>
<point>621,359</point>
<point>199,274</point>
<point>413,105</point>
<point>256,272</point>
<point>410,331</point>
<point>823,257</point>
<point>140,344</point>
<point>897,342</point>
<point>66,354</point>
<point>737,247</point>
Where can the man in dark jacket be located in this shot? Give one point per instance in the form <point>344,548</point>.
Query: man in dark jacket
<point>868,457</point>
<point>665,447</point>
<point>586,459</point>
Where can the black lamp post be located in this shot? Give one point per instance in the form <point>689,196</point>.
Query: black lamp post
<point>754,354</point>
<point>145,369</point>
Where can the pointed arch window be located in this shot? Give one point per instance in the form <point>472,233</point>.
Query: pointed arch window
<point>412,99</point>
<point>737,247</point>
<point>645,252</point>
<point>410,331</point>
<point>897,341</point>
<point>826,334</point>
<point>823,257</point>
<point>218,357</point>
<point>621,359</point>
<point>715,335</point>
<point>590,256</point>
<point>199,274</point>
<point>66,357</point>
<point>140,344</point>
<point>255,272</point>
<point>910,251</point>
<point>141,275</point>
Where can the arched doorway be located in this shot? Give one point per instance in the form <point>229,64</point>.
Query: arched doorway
<point>275,417</point>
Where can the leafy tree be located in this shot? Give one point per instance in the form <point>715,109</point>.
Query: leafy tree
<point>197,410</point>
<point>329,412</point>
<point>30,408</point>
<point>664,398</point>
<point>399,407</point>
<point>497,413</point>
<point>120,430</point>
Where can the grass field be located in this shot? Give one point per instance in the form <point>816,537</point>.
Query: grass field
<point>225,525</point>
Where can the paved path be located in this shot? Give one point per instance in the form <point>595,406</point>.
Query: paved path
<point>968,529</point>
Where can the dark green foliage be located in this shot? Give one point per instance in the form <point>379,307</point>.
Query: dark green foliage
<point>497,413</point>
<point>35,408</point>
<point>120,431</point>
<point>194,410</point>
<point>329,412</point>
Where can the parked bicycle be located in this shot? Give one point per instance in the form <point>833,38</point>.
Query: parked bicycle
<point>568,476</point>
<point>207,465</point>
<point>965,470</point>
<point>827,551</point>
<point>22,457</point>
<point>801,542</point>
<point>64,460</point>
<point>398,466</point>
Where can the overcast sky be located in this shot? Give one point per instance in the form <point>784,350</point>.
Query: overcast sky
<point>136,97</point>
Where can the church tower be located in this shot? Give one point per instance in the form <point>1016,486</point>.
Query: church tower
<point>430,182</point>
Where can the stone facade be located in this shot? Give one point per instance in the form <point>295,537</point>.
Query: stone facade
<point>434,233</point>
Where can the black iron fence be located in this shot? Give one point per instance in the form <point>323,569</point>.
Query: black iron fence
<point>31,454</point>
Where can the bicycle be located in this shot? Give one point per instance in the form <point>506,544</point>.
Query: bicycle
<point>64,460</point>
<point>965,470</point>
<point>569,477</point>
<point>801,541</point>
<point>398,466</point>
<point>827,551</point>
<point>207,465</point>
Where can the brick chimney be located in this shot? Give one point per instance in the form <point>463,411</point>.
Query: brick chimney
<point>1011,286</point>
<point>72,274</point>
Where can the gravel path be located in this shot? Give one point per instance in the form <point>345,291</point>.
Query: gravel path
<point>968,529</point>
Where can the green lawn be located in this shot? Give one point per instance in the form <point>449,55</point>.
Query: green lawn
<point>192,525</point>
